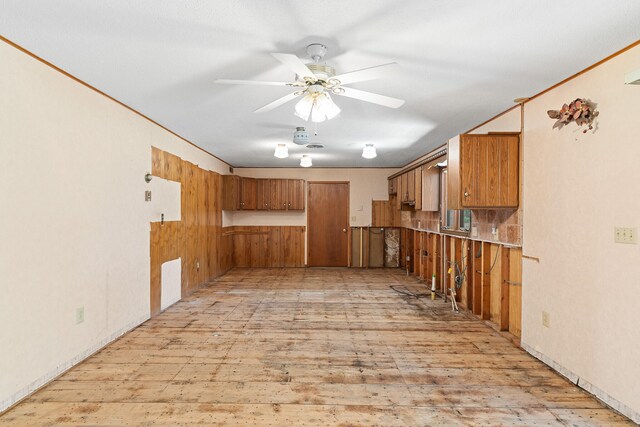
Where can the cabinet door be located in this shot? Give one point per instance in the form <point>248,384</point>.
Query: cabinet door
<point>473,170</point>
<point>417,178</point>
<point>430,190</point>
<point>489,171</point>
<point>231,192</point>
<point>248,194</point>
<point>295,194</point>
<point>264,194</point>
<point>393,186</point>
<point>404,182</point>
<point>411,186</point>
<point>278,194</point>
<point>399,192</point>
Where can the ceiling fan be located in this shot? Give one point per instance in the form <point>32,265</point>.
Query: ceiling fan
<point>316,83</point>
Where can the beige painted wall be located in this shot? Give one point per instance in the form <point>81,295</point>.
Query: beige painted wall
<point>507,122</point>
<point>75,227</point>
<point>577,188</point>
<point>364,185</point>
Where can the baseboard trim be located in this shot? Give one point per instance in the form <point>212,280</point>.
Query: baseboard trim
<point>21,394</point>
<point>584,384</point>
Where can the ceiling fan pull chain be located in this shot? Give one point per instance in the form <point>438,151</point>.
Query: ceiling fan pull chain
<point>316,132</point>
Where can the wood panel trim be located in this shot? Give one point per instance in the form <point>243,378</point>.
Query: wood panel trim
<point>93,88</point>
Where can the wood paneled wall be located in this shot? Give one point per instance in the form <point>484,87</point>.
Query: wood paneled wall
<point>267,246</point>
<point>197,238</point>
<point>492,285</point>
<point>384,213</point>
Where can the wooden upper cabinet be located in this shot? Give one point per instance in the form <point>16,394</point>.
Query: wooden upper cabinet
<point>393,186</point>
<point>295,194</point>
<point>483,171</point>
<point>278,194</point>
<point>263,201</point>
<point>231,192</point>
<point>399,192</point>
<point>411,186</point>
<point>417,188</point>
<point>248,194</point>
<point>430,189</point>
<point>262,194</point>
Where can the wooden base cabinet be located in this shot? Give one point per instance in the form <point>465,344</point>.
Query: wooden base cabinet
<point>483,171</point>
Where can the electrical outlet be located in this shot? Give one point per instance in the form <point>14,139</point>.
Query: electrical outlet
<point>627,235</point>
<point>474,231</point>
<point>546,319</point>
<point>79,315</point>
<point>353,219</point>
<point>494,233</point>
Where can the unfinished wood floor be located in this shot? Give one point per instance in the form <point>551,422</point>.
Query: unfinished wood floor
<point>294,347</point>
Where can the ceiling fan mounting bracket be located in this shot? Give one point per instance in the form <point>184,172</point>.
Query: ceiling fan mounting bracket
<point>316,51</point>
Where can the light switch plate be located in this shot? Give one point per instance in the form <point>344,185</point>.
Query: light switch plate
<point>147,196</point>
<point>628,235</point>
<point>79,315</point>
<point>546,319</point>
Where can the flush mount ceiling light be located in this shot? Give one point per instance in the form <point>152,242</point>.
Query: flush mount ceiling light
<point>369,151</point>
<point>300,136</point>
<point>305,161</point>
<point>316,83</point>
<point>281,151</point>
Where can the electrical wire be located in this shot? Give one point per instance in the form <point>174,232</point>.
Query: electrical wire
<point>494,261</point>
<point>409,294</point>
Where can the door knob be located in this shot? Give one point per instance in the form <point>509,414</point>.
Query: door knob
<point>344,230</point>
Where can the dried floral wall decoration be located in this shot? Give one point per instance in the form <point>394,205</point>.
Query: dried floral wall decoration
<point>582,111</point>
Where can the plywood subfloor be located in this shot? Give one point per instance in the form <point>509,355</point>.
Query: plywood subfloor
<point>297,347</point>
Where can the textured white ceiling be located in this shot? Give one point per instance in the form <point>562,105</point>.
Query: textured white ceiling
<point>462,61</point>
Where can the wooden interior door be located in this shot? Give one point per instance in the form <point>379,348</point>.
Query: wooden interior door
<point>327,224</point>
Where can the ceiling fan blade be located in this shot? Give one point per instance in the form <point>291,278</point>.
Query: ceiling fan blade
<point>278,102</point>
<point>295,64</point>
<point>374,98</point>
<point>379,71</point>
<point>249,82</point>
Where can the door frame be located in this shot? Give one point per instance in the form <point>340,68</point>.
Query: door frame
<point>306,240</point>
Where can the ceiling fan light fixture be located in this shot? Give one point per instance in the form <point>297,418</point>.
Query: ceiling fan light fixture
<point>369,151</point>
<point>305,161</point>
<point>324,108</point>
<point>300,136</point>
<point>304,106</point>
<point>281,151</point>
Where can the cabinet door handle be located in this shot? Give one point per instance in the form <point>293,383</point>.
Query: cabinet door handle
<point>466,193</point>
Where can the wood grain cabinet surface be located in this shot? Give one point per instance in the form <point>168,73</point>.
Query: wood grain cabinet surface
<point>483,171</point>
<point>272,194</point>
